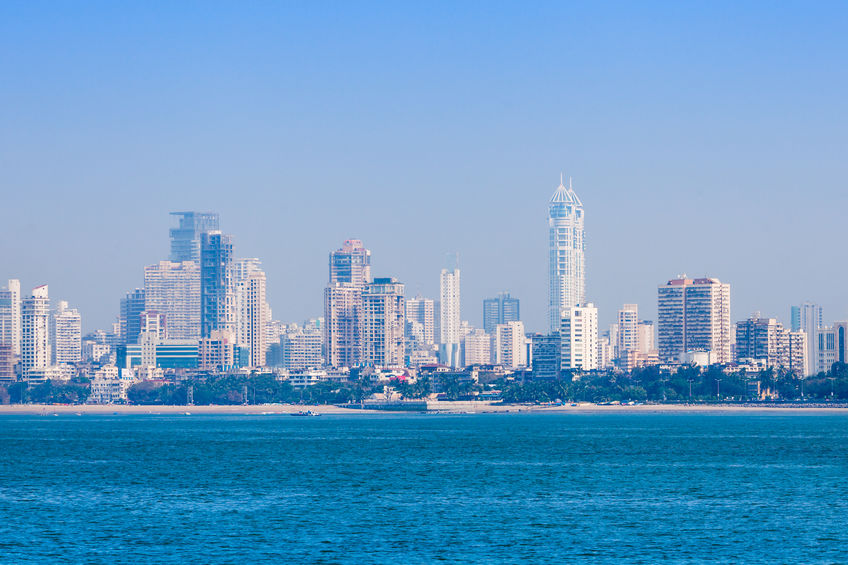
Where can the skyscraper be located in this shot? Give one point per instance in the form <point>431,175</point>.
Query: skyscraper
<point>35,331</point>
<point>449,313</point>
<point>567,274</point>
<point>421,310</point>
<point>185,239</point>
<point>509,345</point>
<point>132,305</point>
<point>349,272</point>
<point>766,340</point>
<point>173,289</point>
<point>628,329</point>
<point>216,290</point>
<point>351,264</point>
<point>579,338</point>
<point>694,315</point>
<point>500,310</point>
<point>808,318</point>
<point>384,314</point>
<point>66,335</point>
<point>250,309</point>
<point>10,315</point>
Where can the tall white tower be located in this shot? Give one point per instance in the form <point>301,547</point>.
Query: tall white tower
<point>567,274</point>
<point>35,331</point>
<point>449,314</point>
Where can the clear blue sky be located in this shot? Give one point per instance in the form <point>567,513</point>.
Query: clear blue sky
<point>706,138</point>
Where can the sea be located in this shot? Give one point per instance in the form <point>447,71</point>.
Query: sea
<point>764,487</point>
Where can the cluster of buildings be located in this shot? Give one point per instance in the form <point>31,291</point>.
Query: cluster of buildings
<point>205,310</point>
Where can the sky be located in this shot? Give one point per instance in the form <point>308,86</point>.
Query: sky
<point>707,138</point>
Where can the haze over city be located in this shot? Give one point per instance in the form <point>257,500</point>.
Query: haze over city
<point>700,141</point>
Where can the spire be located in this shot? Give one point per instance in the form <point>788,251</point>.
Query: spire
<point>560,178</point>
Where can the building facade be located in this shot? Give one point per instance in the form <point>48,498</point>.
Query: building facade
<point>66,335</point>
<point>500,310</point>
<point>384,323</point>
<point>449,316</point>
<point>509,345</point>
<point>422,311</point>
<point>186,238</point>
<point>173,290</point>
<point>10,315</point>
<point>579,338</point>
<point>35,331</point>
<point>566,247</point>
<point>216,286</point>
<point>809,318</point>
<point>694,315</point>
<point>132,305</point>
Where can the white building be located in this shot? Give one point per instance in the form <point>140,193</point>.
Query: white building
<point>384,323</point>
<point>110,385</point>
<point>647,341</point>
<point>567,273</point>
<point>628,329</point>
<point>10,315</point>
<point>579,337</point>
<point>422,311</point>
<point>66,335</point>
<point>809,318</point>
<point>173,289</point>
<point>300,349</point>
<point>825,349</point>
<point>251,309</point>
<point>477,348</point>
<point>694,315</point>
<point>449,316</point>
<point>509,345</point>
<point>35,331</point>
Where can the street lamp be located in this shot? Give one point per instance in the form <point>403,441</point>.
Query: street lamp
<point>718,389</point>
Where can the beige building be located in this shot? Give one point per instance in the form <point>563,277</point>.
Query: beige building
<point>694,315</point>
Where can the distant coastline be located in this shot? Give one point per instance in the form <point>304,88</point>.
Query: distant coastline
<point>440,408</point>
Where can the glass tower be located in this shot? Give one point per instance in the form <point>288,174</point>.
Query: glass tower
<point>216,258</point>
<point>185,239</point>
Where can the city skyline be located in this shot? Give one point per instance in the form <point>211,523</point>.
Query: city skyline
<point>684,136</point>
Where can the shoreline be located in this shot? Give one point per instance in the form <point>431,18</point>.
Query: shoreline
<point>445,407</point>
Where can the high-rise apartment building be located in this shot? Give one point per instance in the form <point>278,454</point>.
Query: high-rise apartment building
<point>173,290</point>
<point>384,323</point>
<point>477,348</point>
<point>546,356</point>
<point>186,238</point>
<point>301,348</point>
<point>10,316</point>
<point>825,350</point>
<point>579,338</point>
<point>628,329</point>
<point>343,325</point>
<point>449,315</point>
<point>35,331</point>
<point>351,264</point>
<point>647,341</point>
<point>808,318</point>
<point>509,345</point>
<point>349,272</point>
<point>250,309</point>
<point>66,335</point>
<point>567,273</point>
<point>766,340</point>
<point>500,310</point>
<point>694,315</point>
<point>422,311</point>
<point>132,305</point>
<point>216,288</point>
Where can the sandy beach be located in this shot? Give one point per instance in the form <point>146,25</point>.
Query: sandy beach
<point>435,408</point>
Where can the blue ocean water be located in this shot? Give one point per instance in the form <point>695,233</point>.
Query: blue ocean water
<point>639,488</point>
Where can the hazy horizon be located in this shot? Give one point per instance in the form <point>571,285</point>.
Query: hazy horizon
<point>706,139</point>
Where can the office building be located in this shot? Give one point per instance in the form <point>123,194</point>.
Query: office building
<point>132,305</point>
<point>694,315</point>
<point>825,350</point>
<point>384,323</point>
<point>546,355</point>
<point>567,273</point>
<point>216,288</point>
<point>579,338</point>
<point>65,335</point>
<point>300,348</point>
<point>35,331</point>
<point>186,238</point>
<point>500,310</point>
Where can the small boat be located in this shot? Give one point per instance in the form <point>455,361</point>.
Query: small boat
<point>306,413</point>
